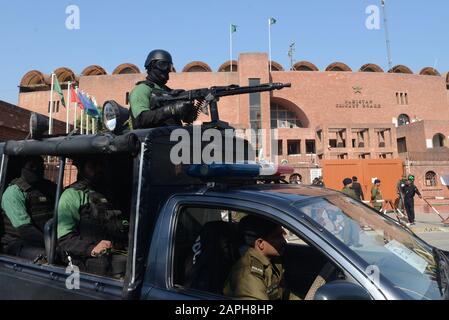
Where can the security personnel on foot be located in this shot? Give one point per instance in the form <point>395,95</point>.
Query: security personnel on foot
<point>27,204</point>
<point>351,230</point>
<point>376,196</point>
<point>318,182</point>
<point>348,190</point>
<point>357,187</point>
<point>89,227</point>
<point>146,111</point>
<point>409,191</point>
<point>258,274</point>
<point>399,189</point>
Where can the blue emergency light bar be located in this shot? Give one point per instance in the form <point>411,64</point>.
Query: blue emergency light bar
<point>224,171</point>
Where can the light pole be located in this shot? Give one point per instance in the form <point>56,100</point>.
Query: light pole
<point>387,35</point>
<point>291,54</point>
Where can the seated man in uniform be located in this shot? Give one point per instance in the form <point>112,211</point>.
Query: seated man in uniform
<point>259,275</point>
<point>28,203</point>
<point>90,230</point>
<point>145,109</point>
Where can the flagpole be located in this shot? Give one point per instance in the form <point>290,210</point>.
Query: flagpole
<point>230,41</point>
<point>269,40</point>
<point>76,111</point>
<point>50,130</point>
<point>68,107</point>
<point>87,116</point>
<point>82,122</point>
<point>94,119</point>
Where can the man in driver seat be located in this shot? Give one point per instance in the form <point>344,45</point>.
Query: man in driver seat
<point>259,274</point>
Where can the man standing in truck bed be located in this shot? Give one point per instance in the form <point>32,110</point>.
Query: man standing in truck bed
<point>146,110</point>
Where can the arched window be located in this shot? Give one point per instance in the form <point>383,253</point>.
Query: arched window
<point>197,66</point>
<point>126,68</point>
<point>305,66</point>
<point>370,67</point>
<point>282,118</point>
<point>295,179</point>
<point>439,140</point>
<point>403,120</point>
<point>226,67</point>
<point>431,179</point>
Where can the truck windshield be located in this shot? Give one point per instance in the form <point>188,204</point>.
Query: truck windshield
<point>406,261</point>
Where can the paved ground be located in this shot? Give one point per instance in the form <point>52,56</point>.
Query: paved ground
<point>430,228</point>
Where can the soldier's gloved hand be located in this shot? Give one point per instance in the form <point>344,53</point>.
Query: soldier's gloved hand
<point>192,116</point>
<point>155,103</point>
<point>181,109</point>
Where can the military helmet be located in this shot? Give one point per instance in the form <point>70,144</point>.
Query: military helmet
<point>158,55</point>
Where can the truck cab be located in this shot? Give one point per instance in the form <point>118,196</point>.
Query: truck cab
<point>184,218</point>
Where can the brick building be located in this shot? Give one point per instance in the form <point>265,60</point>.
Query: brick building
<point>14,122</point>
<point>336,113</point>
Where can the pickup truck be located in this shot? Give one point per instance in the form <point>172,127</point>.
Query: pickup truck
<point>181,215</point>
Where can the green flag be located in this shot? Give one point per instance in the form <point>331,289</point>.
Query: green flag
<point>233,28</point>
<point>272,21</point>
<point>57,88</point>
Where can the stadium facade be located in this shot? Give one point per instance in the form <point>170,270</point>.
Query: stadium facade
<point>336,113</point>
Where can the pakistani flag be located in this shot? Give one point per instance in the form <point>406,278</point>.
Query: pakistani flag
<point>57,88</point>
<point>233,28</point>
<point>272,21</point>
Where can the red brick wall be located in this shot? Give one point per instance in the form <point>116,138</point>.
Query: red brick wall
<point>315,93</point>
<point>14,122</point>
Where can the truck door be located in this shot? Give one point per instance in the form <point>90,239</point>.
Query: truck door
<point>197,242</point>
<point>24,280</point>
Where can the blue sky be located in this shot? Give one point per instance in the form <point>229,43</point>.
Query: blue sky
<point>33,33</point>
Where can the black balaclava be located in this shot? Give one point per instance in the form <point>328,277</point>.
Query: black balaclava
<point>97,180</point>
<point>158,75</point>
<point>33,176</point>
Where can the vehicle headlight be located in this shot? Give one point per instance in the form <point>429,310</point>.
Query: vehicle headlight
<point>114,116</point>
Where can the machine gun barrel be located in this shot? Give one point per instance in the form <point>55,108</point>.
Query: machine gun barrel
<point>210,96</point>
<point>237,90</point>
<point>224,91</point>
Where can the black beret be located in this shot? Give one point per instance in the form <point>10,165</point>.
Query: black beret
<point>252,228</point>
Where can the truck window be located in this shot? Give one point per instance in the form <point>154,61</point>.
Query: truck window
<point>27,203</point>
<point>94,214</point>
<point>212,249</point>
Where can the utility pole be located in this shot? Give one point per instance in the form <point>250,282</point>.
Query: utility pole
<point>387,35</point>
<point>291,54</point>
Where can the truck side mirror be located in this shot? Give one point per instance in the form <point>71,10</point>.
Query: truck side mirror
<point>342,290</point>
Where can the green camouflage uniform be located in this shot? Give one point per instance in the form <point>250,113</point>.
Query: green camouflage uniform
<point>376,195</point>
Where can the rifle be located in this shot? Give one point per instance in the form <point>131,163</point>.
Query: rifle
<point>209,97</point>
